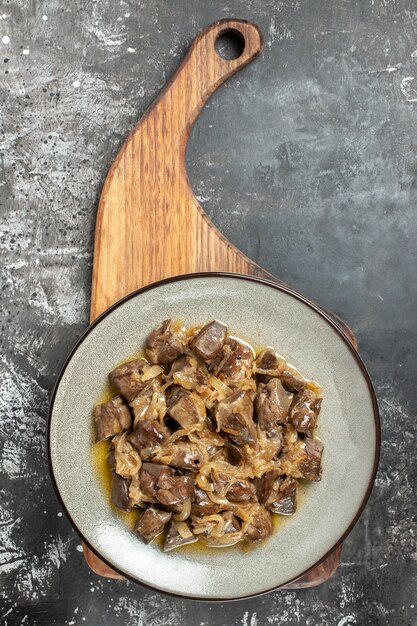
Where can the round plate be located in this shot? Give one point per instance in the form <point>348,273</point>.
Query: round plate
<point>265,314</point>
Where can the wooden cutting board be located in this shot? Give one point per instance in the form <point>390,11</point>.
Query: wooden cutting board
<point>150,225</point>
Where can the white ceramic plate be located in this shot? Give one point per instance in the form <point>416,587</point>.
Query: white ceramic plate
<point>264,314</point>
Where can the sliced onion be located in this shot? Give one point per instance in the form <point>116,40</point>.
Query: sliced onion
<point>223,541</point>
<point>219,386</point>
<point>185,511</point>
<point>128,461</point>
<point>183,530</point>
<point>218,499</point>
<point>152,372</point>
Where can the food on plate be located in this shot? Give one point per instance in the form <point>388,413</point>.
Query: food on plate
<point>207,438</point>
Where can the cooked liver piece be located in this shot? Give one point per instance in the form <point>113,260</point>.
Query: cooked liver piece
<point>120,493</point>
<point>291,382</point>
<point>304,411</point>
<point>232,524</point>
<point>174,393</point>
<point>150,475</point>
<point>188,372</point>
<point>183,407</point>
<point>311,467</point>
<point>202,504</point>
<point>173,490</point>
<point>261,524</point>
<point>267,485</point>
<point>174,539</point>
<point>152,523</point>
<point>272,404</point>
<point>160,483</point>
<point>127,378</point>
<point>111,418</point>
<point>237,361</point>
<point>267,360</point>
<point>234,416</point>
<point>148,436</point>
<point>268,364</point>
<point>240,491</point>
<point>279,493</point>
<point>303,460</point>
<point>164,344</point>
<point>185,455</point>
<point>234,454</point>
<point>208,342</point>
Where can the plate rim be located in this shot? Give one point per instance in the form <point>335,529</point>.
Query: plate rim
<point>268,283</point>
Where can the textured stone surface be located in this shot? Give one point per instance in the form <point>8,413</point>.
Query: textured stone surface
<point>305,160</point>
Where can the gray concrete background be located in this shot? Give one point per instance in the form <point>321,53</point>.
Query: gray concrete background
<point>306,160</point>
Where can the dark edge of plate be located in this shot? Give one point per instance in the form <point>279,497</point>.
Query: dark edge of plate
<point>268,283</point>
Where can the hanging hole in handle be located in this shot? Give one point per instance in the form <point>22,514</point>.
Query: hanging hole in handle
<point>229,44</point>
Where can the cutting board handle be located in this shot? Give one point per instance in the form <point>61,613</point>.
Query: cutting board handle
<point>205,69</point>
<point>149,223</point>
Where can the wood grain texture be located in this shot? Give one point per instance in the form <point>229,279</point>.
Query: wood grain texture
<point>150,225</point>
